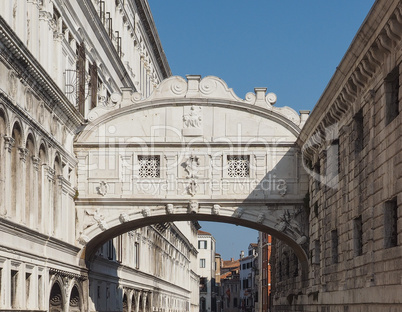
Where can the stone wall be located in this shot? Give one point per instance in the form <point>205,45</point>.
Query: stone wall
<point>352,149</point>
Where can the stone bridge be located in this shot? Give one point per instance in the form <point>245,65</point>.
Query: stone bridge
<point>193,150</point>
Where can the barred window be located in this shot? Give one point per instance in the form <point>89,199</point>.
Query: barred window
<point>149,166</point>
<point>238,166</point>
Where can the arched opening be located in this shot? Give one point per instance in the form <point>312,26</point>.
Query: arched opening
<point>3,134</point>
<point>30,181</point>
<point>56,299</point>
<point>125,303</point>
<point>75,304</point>
<point>133,303</point>
<point>16,170</point>
<point>148,307</point>
<point>203,304</point>
<point>57,207</point>
<point>102,237</point>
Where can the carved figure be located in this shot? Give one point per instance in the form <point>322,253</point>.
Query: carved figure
<point>238,213</point>
<point>146,212</point>
<point>169,208</point>
<point>192,187</point>
<point>191,166</point>
<point>124,218</point>
<point>193,119</point>
<point>216,209</point>
<point>193,206</point>
<point>102,188</point>
<point>100,219</point>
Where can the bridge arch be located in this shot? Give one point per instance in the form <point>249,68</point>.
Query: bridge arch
<point>193,150</point>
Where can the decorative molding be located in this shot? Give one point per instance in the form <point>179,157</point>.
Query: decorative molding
<point>35,162</point>
<point>23,153</point>
<point>209,87</point>
<point>9,143</point>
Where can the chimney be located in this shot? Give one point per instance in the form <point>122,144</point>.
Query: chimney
<point>241,254</point>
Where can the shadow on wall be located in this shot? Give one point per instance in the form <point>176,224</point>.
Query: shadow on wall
<point>288,181</point>
<point>104,291</point>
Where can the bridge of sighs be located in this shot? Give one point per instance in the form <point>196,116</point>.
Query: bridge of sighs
<point>193,150</point>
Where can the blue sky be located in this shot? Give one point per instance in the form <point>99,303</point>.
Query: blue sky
<point>292,47</point>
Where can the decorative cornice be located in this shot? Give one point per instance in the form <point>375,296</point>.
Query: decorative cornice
<point>89,10</point>
<point>150,29</point>
<point>16,54</point>
<point>207,91</point>
<point>377,37</point>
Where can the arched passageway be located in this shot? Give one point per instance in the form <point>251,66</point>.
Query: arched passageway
<point>192,151</point>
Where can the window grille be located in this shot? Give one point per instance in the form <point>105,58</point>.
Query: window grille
<point>238,166</point>
<point>149,166</point>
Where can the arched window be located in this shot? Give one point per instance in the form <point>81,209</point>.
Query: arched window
<point>133,304</point>
<point>15,169</point>
<point>148,307</point>
<point>3,133</point>
<point>75,304</point>
<point>56,299</point>
<point>30,181</point>
<point>203,304</point>
<point>125,303</point>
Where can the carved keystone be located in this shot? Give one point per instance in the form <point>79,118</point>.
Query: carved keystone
<point>192,206</point>
<point>216,209</point>
<point>169,208</point>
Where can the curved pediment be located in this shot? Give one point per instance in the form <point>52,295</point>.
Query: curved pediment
<point>185,121</point>
<point>195,108</point>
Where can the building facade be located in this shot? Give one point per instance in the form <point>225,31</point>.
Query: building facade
<point>249,279</point>
<point>207,271</point>
<point>230,285</point>
<point>264,265</point>
<point>59,60</point>
<point>66,64</point>
<point>352,149</point>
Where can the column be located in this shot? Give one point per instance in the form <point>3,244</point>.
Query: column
<point>44,30</point>
<point>58,57</point>
<point>21,185</point>
<point>35,188</point>
<point>48,200</point>
<point>144,301</point>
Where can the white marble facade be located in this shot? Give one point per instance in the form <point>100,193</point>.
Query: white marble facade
<point>59,60</point>
<point>103,152</point>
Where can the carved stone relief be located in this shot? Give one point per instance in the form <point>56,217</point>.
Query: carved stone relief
<point>193,122</point>
<point>102,188</point>
<point>192,206</point>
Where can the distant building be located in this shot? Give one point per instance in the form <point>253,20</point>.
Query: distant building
<point>218,261</point>
<point>249,286</point>
<point>206,271</point>
<point>230,285</point>
<point>264,255</point>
